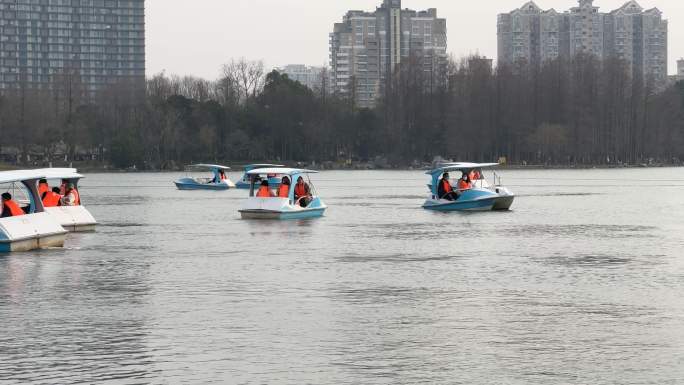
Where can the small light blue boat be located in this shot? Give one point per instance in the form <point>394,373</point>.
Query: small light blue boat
<point>219,181</point>
<point>244,183</point>
<point>309,206</point>
<point>477,198</point>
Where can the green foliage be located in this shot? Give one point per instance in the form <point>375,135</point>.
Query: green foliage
<point>580,111</point>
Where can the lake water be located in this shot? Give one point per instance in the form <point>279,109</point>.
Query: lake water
<point>582,283</point>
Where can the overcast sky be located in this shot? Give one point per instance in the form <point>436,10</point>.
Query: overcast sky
<point>196,37</point>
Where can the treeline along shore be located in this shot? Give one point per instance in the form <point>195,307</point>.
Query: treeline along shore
<point>565,113</point>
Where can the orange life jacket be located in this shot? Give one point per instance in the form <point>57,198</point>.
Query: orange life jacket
<point>14,208</point>
<point>474,175</point>
<point>463,185</point>
<point>264,192</point>
<point>446,186</point>
<point>300,190</point>
<point>51,199</point>
<point>43,188</point>
<point>284,191</point>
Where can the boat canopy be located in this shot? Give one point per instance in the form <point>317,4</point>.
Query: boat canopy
<point>280,171</point>
<point>250,167</point>
<point>21,176</point>
<point>209,166</point>
<point>447,167</point>
<point>59,173</point>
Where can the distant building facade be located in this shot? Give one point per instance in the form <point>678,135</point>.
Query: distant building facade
<point>680,69</point>
<point>631,33</point>
<point>367,47</point>
<point>89,42</point>
<point>309,76</point>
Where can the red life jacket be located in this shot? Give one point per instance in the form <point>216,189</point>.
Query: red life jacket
<point>51,199</point>
<point>284,191</point>
<point>300,190</point>
<point>264,192</point>
<point>446,186</point>
<point>14,208</point>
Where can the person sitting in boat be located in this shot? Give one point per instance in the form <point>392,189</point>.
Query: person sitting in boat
<point>302,192</point>
<point>464,183</point>
<point>10,208</point>
<point>284,189</point>
<point>43,188</point>
<point>444,190</point>
<point>71,196</point>
<point>475,175</point>
<point>264,191</point>
<point>52,198</point>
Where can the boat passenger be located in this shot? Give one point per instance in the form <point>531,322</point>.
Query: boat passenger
<point>444,190</point>
<point>284,189</point>
<point>10,208</point>
<point>464,183</point>
<point>475,175</point>
<point>52,198</point>
<point>264,191</point>
<point>302,192</point>
<point>222,175</point>
<point>43,188</point>
<point>71,197</point>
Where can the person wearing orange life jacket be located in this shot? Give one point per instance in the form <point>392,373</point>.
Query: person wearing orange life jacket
<point>264,191</point>
<point>302,192</point>
<point>52,198</point>
<point>43,188</point>
<point>444,189</point>
<point>464,183</point>
<point>10,208</point>
<point>71,197</point>
<point>284,189</point>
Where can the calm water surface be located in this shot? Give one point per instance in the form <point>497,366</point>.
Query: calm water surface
<point>581,284</point>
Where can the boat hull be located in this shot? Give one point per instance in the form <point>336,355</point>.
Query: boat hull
<point>187,185</point>
<point>73,218</point>
<point>30,232</point>
<point>503,203</point>
<point>470,200</point>
<point>42,242</point>
<point>282,215</point>
<point>280,209</point>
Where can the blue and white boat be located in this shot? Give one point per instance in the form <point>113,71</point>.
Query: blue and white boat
<point>36,229</point>
<point>73,218</point>
<point>473,199</point>
<point>244,182</point>
<point>219,181</point>
<point>282,208</point>
<point>506,196</point>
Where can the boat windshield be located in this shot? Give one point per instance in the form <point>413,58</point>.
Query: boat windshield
<point>20,194</point>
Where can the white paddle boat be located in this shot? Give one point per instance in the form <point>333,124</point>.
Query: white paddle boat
<point>298,202</point>
<point>32,228</point>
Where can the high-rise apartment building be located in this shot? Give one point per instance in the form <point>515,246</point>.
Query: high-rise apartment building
<point>367,47</point>
<point>630,33</point>
<point>90,43</point>
<point>307,75</point>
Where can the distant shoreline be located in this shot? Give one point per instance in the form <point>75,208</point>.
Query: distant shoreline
<point>327,167</point>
